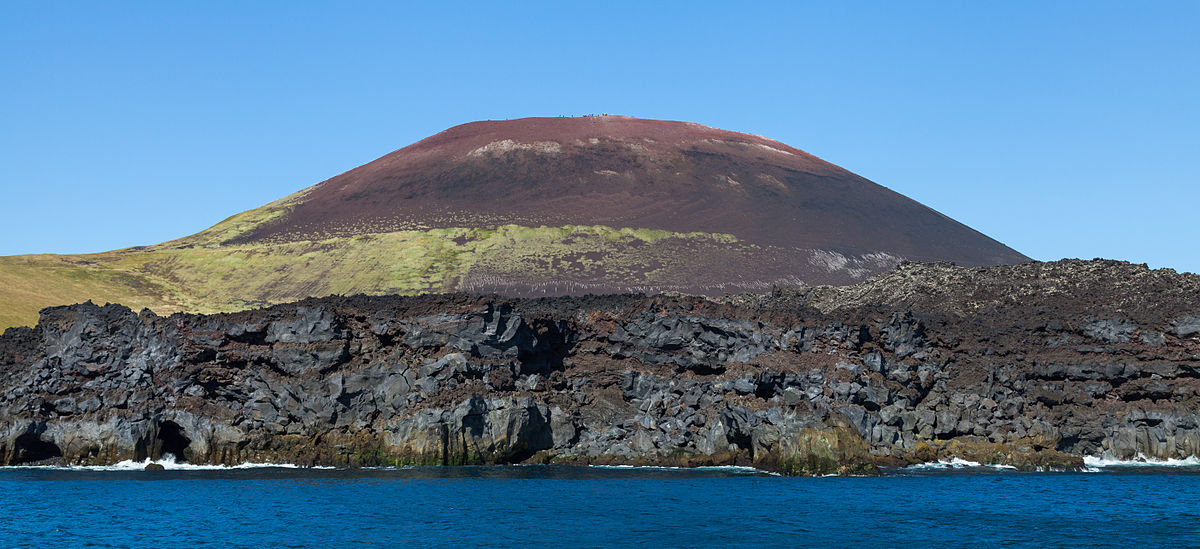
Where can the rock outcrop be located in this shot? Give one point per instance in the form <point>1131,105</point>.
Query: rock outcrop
<point>1033,365</point>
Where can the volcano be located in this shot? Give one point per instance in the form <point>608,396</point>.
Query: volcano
<point>627,172</point>
<point>532,207</point>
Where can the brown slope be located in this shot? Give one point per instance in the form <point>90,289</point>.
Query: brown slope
<point>628,172</point>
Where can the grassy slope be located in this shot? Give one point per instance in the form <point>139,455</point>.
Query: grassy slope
<point>31,282</point>
<point>197,274</point>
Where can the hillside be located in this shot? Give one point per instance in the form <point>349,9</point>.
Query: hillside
<point>530,207</point>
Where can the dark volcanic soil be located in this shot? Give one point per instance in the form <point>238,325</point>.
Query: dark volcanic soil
<point>627,172</point>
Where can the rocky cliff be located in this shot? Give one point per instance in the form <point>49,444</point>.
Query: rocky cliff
<point>1032,365</point>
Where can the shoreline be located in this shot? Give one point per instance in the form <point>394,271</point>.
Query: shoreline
<point>1093,464</point>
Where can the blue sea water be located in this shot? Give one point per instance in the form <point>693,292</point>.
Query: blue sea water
<point>553,506</point>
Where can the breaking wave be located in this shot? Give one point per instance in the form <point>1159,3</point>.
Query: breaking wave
<point>1139,461</point>
<point>724,468</point>
<point>957,463</point>
<point>168,462</point>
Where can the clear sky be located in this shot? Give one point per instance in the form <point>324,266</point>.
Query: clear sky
<point>1063,129</point>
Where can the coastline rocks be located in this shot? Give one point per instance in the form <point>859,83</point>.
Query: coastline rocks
<point>476,431</point>
<point>1032,366</point>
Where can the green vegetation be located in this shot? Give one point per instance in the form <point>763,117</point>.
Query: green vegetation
<point>199,274</point>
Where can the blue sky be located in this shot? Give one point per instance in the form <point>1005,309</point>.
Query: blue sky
<point>1067,129</point>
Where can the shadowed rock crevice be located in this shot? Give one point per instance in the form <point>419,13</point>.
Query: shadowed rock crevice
<point>171,440</point>
<point>29,448</point>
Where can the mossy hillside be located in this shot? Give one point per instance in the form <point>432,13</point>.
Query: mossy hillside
<point>224,278</point>
<point>29,283</point>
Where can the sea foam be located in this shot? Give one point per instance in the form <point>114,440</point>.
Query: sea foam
<point>957,463</point>
<point>168,462</point>
<point>725,468</point>
<point>1140,461</point>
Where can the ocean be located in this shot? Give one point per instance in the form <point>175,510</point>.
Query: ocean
<point>937,505</point>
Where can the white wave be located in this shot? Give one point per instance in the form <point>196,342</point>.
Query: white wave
<point>957,463</point>
<point>1097,462</point>
<point>733,468</point>
<point>1044,469</point>
<point>169,463</point>
<point>952,463</point>
<point>726,468</point>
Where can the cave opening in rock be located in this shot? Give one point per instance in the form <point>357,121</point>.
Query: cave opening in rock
<point>172,440</point>
<point>30,448</point>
